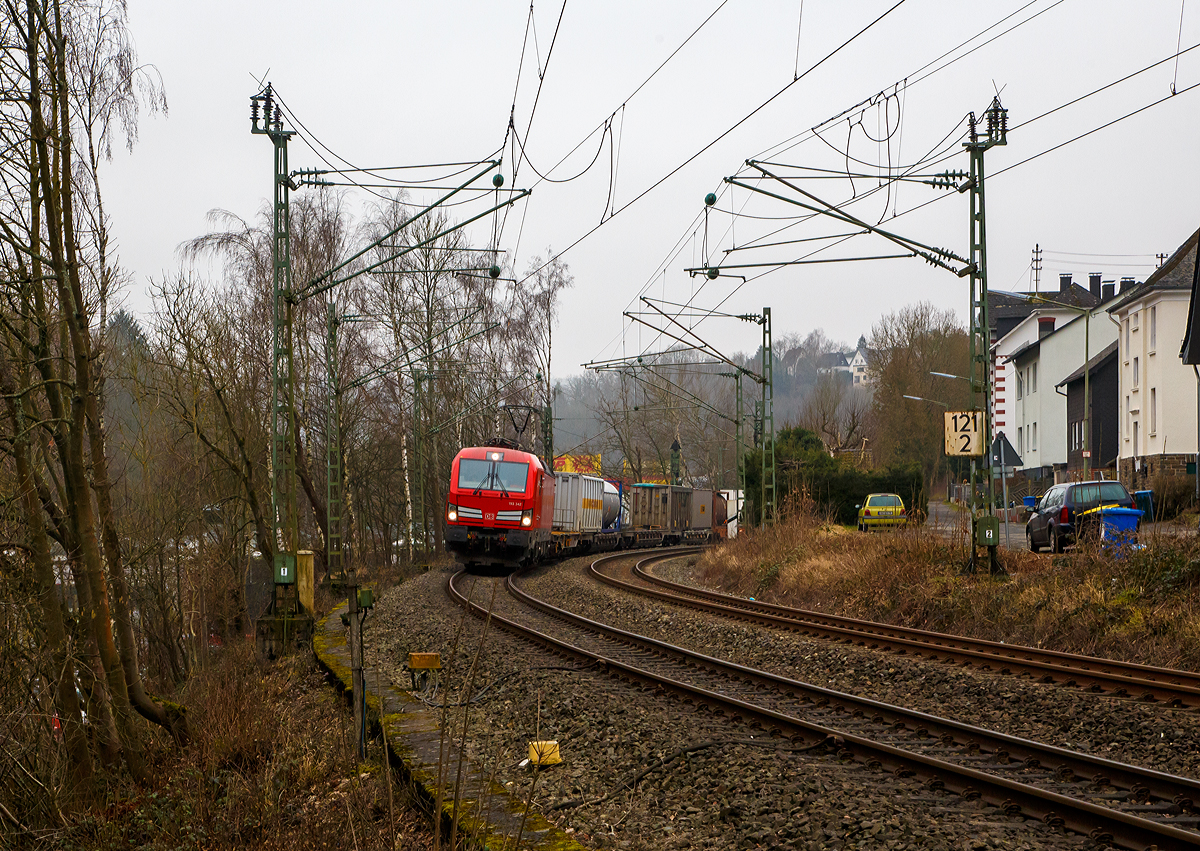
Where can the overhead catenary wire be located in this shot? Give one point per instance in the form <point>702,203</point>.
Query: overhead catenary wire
<point>897,213</point>
<point>604,124</point>
<point>997,173</point>
<point>771,99</point>
<point>909,80</point>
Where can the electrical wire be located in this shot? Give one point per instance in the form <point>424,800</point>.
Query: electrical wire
<point>908,80</point>
<point>1178,43</point>
<point>604,125</point>
<point>726,132</point>
<point>1091,254</point>
<point>1096,129</point>
<point>309,138</point>
<point>606,129</point>
<point>1015,165</point>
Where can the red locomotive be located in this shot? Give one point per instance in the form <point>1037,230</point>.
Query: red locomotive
<point>500,509</point>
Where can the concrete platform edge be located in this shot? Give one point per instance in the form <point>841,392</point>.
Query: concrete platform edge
<point>488,815</point>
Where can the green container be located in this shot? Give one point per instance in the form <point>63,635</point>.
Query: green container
<point>987,531</point>
<point>285,568</point>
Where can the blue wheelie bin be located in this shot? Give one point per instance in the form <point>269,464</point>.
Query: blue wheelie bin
<point>1145,501</point>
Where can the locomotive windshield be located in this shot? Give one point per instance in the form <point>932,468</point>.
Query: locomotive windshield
<point>475,474</point>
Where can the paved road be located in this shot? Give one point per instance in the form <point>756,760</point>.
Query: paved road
<point>948,518</point>
<point>951,520</point>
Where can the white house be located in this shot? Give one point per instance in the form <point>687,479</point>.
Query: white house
<point>857,361</point>
<point>1005,372</point>
<point>1157,395</point>
<point>1037,425</point>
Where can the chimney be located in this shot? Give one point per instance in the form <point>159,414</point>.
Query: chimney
<point>1126,284</point>
<point>1064,282</point>
<point>1108,292</point>
<point>1094,285</point>
<point>1045,325</point>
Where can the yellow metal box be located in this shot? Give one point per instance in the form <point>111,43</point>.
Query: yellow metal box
<point>544,753</point>
<point>425,661</point>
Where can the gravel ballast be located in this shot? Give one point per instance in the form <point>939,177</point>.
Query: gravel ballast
<point>707,782</point>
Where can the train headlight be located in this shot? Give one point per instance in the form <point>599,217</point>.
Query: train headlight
<point>452,513</point>
<point>526,518</point>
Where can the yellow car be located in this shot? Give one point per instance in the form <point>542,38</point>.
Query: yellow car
<point>881,509</point>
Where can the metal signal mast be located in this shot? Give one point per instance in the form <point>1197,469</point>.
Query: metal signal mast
<point>286,619</point>
<point>266,118</point>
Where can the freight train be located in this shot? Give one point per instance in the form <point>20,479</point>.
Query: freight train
<point>505,510</point>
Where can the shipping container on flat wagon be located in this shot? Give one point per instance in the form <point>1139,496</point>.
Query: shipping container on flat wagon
<point>702,505</point>
<point>578,503</point>
<point>710,513</point>
<point>661,508</point>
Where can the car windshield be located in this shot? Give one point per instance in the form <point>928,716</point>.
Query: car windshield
<point>475,474</point>
<point>886,499</point>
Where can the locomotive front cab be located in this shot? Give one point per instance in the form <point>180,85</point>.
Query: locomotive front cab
<point>494,512</point>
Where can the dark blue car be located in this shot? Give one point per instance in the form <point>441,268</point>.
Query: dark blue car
<point>1053,523</point>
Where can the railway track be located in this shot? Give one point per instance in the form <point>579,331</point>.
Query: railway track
<point>1101,676</point>
<point>1112,802</point>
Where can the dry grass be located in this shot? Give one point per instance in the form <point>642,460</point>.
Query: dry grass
<point>1144,606</point>
<point>272,767</point>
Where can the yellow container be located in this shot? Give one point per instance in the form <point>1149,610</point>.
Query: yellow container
<point>544,753</point>
<point>425,661</point>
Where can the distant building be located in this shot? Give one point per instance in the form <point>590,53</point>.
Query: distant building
<point>852,364</point>
<point>857,361</point>
<point>832,363</point>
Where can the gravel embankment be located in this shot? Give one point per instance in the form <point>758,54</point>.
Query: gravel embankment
<point>736,792</point>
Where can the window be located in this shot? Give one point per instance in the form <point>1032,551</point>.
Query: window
<point>1127,340</point>
<point>1114,492</point>
<point>1153,330</point>
<point>1020,440</point>
<point>1135,373</point>
<point>1033,378</point>
<point>1020,385</point>
<point>1135,437</point>
<point>1128,418</point>
<point>478,474</point>
<point>1153,411</point>
<point>1134,319</point>
<point>1033,438</point>
<point>1086,496</point>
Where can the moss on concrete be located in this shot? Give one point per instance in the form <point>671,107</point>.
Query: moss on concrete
<point>485,809</point>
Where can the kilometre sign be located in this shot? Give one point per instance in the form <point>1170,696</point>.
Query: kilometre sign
<point>964,433</point>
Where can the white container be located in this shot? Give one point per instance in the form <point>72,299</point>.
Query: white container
<point>578,503</point>
<point>612,504</point>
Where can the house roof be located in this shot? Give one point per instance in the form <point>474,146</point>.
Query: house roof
<point>1108,353</point>
<point>1029,348</point>
<point>1186,351</point>
<point>1175,274</point>
<point>829,360</point>
<point>1009,305</point>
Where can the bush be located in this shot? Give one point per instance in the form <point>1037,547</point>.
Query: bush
<point>1172,495</point>
<point>807,476</point>
<point>838,491</point>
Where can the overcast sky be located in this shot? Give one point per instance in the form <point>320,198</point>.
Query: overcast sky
<point>393,83</point>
